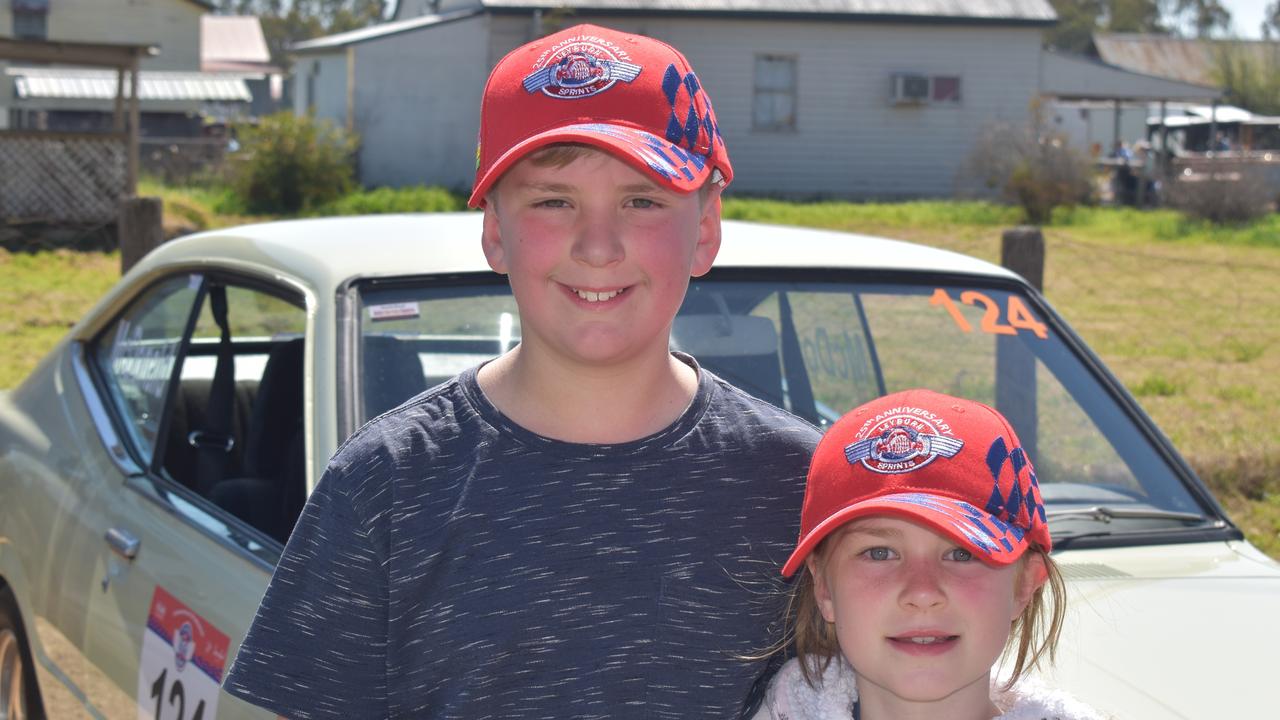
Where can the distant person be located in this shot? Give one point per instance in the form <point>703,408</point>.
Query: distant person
<point>585,526</point>
<point>924,555</point>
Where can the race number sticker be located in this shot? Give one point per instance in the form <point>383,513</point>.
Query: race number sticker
<point>182,661</point>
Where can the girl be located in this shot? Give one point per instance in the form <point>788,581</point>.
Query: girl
<point>924,549</point>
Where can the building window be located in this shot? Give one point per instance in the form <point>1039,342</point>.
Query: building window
<point>775,94</point>
<point>921,89</point>
<point>30,19</point>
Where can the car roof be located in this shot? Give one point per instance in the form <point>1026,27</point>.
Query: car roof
<point>330,250</point>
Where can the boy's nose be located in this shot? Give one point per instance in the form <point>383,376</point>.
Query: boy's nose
<point>597,243</point>
<point>922,587</point>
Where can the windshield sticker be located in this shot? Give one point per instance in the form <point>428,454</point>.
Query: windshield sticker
<point>183,657</point>
<point>394,311</point>
<point>1017,316</point>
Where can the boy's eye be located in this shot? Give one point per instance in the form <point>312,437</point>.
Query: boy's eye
<point>552,203</point>
<point>643,203</point>
<point>961,555</point>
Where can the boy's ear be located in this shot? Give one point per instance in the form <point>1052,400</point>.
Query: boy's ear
<point>1031,577</point>
<point>491,239</point>
<point>708,234</point>
<point>821,591</point>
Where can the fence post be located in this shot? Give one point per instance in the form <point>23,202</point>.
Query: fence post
<point>140,227</point>
<point>1022,251</point>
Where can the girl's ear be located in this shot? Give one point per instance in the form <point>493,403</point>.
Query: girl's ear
<point>821,591</point>
<point>1031,577</point>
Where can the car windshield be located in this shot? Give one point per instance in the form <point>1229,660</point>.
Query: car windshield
<point>818,343</point>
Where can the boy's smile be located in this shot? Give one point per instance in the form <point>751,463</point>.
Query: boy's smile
<point>599,256</point>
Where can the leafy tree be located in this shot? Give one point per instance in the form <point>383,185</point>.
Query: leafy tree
<point>1202,16</point>
<point>1250,75</point>
<point>285,22</point>
<point>1078,20</point>
<point>1271,20</point>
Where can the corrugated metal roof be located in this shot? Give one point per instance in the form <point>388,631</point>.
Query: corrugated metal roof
<point>380,30</point>
<point>1188,60</point>
<point>232,39</point>
<point>81,84</point>
<point>1075,77</point>
<point>989,10</point>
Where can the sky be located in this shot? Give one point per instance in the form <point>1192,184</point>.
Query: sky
<point>1246,16</point>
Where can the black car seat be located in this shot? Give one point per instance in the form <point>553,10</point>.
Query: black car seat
<point>391,373</point>
<point>272,491</point>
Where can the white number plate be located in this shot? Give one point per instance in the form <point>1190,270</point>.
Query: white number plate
<point>182,661</point>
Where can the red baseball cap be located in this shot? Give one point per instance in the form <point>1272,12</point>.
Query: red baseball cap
<point>628,94</point>
<point>951,464</point>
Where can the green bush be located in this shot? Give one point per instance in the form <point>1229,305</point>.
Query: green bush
<point>395,200</point>
<point>289,163</point>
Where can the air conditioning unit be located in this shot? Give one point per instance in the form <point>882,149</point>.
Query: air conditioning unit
<point>910,88</point>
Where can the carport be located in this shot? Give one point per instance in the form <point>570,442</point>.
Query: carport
<point>1078,78</point>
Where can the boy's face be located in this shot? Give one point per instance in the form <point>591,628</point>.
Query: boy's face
<point>599,256</point>
<point>918,617</point>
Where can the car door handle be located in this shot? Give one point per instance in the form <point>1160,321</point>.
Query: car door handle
<point>123,543</point>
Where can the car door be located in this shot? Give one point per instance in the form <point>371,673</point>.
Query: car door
<point>159,581</point>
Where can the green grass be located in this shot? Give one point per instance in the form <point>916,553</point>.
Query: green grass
<point>1183,312</point>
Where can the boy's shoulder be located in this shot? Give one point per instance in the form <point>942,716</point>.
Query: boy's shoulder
<point>737,407</point>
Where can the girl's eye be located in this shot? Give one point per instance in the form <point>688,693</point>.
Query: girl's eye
<point>961,555</point>
<point>879,554</point>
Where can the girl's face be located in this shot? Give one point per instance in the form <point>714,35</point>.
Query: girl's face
<point>918,617</point>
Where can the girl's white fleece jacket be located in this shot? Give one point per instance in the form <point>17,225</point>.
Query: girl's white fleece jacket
<point>791,698</point>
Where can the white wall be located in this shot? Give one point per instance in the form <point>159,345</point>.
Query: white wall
<point>418,104</point>
<point>173,25</point>
<point>1087,123</point>
<point>326,75</point>
<point>850,140</point>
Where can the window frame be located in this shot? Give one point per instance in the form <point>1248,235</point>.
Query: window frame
<point>792,124</point>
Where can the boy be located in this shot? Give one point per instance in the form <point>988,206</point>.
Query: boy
<point>583,527</point>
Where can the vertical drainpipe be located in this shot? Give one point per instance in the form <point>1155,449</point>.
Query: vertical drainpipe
<point>351,88</point>
<point>537,24</point>
<point>1162,160</point>
<point>1213,125</point>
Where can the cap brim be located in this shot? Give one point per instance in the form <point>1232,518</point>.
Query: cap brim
<point>990,539</point>
<point>667,163</point>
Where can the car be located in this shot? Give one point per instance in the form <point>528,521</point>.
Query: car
<point>153,464</point>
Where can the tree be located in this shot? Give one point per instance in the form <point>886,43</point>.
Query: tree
<point>1078,20</point>
<point>1203,16</point>
<point>1250,74</point>
<point>285,22</point>
<point>1271,21</point>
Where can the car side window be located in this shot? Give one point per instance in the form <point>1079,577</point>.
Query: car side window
<point>136,356</point>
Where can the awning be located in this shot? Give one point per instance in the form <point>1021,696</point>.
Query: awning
<point>1074,77</point>
<point>81,84</point>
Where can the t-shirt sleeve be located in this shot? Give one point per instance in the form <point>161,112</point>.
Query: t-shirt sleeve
<point>317,647</point>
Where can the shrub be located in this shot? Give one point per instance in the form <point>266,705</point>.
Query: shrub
<point>289,163</point>
<point>395,200</point>
<point>1035,171</point>
<point>1224,192</point>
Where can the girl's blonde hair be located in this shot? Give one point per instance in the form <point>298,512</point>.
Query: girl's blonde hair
<point>816,643</point>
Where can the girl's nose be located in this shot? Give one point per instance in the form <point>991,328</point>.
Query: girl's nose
<point>597,240</point>
<point>922,587</point>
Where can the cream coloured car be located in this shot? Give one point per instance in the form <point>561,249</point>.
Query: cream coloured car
<point>154,462</point>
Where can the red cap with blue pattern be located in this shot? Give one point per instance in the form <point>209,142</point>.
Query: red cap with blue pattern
<point>950,464</point>
<point>627,94</point>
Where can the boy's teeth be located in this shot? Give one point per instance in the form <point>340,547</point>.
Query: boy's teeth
<point>595,296</point>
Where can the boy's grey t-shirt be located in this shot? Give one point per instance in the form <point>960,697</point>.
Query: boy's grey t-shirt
<point>451,564</point>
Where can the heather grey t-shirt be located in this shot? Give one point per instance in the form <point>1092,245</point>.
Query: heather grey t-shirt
<point>451,564</point>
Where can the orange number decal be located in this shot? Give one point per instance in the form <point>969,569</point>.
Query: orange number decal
<point>940,297</point>
<point>990,318</point>
<point>1021,317</point>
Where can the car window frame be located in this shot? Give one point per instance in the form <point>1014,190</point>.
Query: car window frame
<point>149,479</point>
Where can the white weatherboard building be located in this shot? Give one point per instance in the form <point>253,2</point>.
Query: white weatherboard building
<point>826,98</point>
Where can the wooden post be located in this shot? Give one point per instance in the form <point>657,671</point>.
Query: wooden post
<point>135,121</point>
<point>140,228</point>
<point>1022,251</point>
